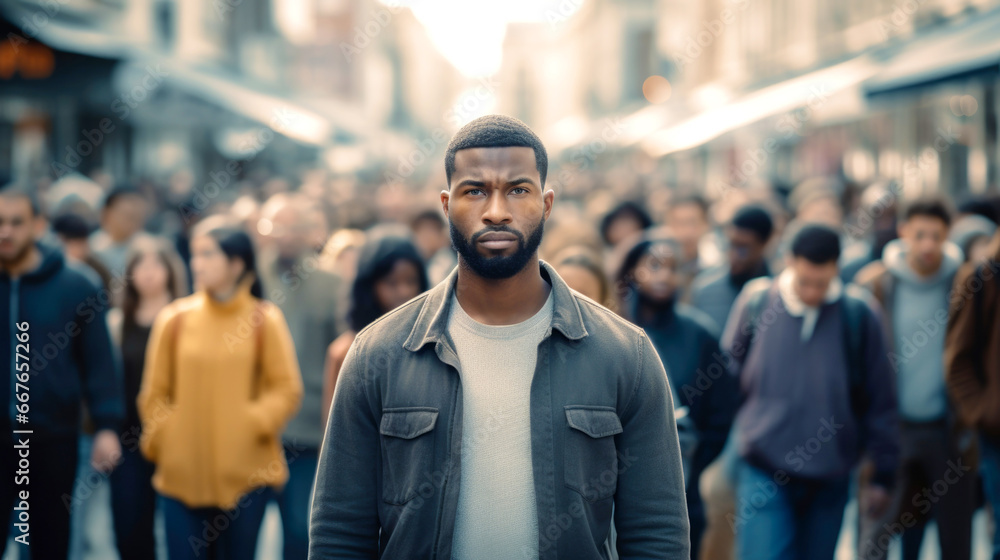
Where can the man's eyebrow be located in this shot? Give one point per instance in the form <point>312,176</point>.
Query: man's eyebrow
<point>520,180</point>
<point>470,183</point>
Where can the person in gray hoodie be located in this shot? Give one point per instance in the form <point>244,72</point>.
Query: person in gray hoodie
<point>913,283</point>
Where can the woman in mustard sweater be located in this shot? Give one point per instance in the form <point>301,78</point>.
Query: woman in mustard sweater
<point>220,381</point>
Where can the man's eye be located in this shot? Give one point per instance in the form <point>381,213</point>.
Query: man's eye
<point>520,189</point>
<point>473,191</point>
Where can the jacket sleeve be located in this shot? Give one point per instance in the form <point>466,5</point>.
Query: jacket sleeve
<point>153,403</point>
<point>280,380</point>
<point>105,384</point>
<point>963,354</point>
<point>344,520</point>
<point>881,417</point>
<point>650,507</point>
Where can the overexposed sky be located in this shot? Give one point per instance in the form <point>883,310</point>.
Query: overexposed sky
<point>470,33</point>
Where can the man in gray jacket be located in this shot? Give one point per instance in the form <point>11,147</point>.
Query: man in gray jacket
<point>500,414</point>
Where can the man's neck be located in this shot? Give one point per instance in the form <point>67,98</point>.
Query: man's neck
<point>506,301</point>
<point>27,263</point>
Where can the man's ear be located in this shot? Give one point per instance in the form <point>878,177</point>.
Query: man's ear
<point>445,197</point>
<point>548,198</point>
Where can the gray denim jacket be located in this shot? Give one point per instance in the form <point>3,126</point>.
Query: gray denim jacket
<point>603,434</point>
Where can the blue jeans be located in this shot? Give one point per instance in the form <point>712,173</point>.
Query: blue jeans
<point>213,533</point>
<point>295,499</point>
<point>989,468</point>
<point>783,518</point>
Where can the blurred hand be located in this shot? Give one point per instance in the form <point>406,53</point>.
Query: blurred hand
<point>107,451</point>
<point>874,500</point>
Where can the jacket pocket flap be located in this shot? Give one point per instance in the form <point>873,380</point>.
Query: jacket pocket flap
<point>595,421</point>
<point>407,423</point>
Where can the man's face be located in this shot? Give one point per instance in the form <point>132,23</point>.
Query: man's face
<point>18,227</point>
<point>496,209</point>
<point>289,231</point>
<point>745,250</point>
<point>924,237</point>
<point>125,217</point>
<point>688,224</point>
<point>812,280</point>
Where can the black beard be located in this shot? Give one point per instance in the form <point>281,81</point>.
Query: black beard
<point>496,267</point>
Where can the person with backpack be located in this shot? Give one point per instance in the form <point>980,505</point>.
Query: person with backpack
<point>972,364</point>
<point>220,382</point>
<point>817,390</point>
<point>912,282</point>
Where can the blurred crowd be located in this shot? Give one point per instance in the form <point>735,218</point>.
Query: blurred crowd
<point>333,255</point>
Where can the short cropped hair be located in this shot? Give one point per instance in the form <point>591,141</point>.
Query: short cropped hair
<point>755,219</point>
<point>816,243</point>
<point>19,190</point>
<point>496,131</point>
<point>931,207</point>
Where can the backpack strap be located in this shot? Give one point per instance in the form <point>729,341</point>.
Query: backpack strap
<point>758,293</point>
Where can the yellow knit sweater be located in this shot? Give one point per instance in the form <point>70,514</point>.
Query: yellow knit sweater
<point>212,441</point>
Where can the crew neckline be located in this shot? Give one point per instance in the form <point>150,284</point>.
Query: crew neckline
<point>501,332</point>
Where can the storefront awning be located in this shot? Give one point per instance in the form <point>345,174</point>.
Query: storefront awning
<point>967,49</point>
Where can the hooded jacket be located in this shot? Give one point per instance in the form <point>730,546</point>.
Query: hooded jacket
<point>916,311</point>
<point>69,349</point>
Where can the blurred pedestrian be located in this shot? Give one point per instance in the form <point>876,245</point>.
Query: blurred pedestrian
<point>912,281</point>
<point>623,221</point>
<point>582,270</point>
<point>220,382</point>
<point>390,273</point>
<point>430,234</point>
<point>122,219</point>
<point>688,343</point>
<point>689,222</point>
<point>817,391</point>
<point>154,276</point>
<point>73,231</point>
<point>748,233</point>
<point>972,365</point>
<point>972,234</point>
<point>61,352</point>
<point>309,299</point>
<point>468,422</point>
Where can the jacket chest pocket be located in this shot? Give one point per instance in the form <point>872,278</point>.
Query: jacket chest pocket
<point>407,452</point>
<point>591,459</point>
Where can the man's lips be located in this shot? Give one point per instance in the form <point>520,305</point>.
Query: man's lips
<point>497,240</point>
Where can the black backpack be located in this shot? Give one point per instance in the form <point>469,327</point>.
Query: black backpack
<point>854,319</point>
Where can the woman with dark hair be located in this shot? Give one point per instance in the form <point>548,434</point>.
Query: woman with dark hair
<point>154,276</point>
<point>390,273</point>
<point>687,342</point>
<point>221,380</point>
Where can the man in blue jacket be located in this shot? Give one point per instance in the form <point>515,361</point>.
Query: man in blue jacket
<point>53,329</point>
<point>500,415</point>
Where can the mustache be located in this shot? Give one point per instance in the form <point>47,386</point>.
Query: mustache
<point>504,229</point>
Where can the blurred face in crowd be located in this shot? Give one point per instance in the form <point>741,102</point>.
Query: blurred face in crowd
<point>18,228</point>
<point>125,217</point>
<point>288,231</point>
<point>745,250</point>
<point>496,209</point>
<point>924,237</point>
<point>823,210</point>
<point>812,280</point>
<point>429,237</point>
<point>150,276</point>
<point>582,280</point>
<point>656,274</point>
<point>399,286</point>
<point>623,227</point>
<point>213,270</point>
<point>689,224</point>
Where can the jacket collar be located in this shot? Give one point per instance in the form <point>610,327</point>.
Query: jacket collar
<point>432,321</point>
